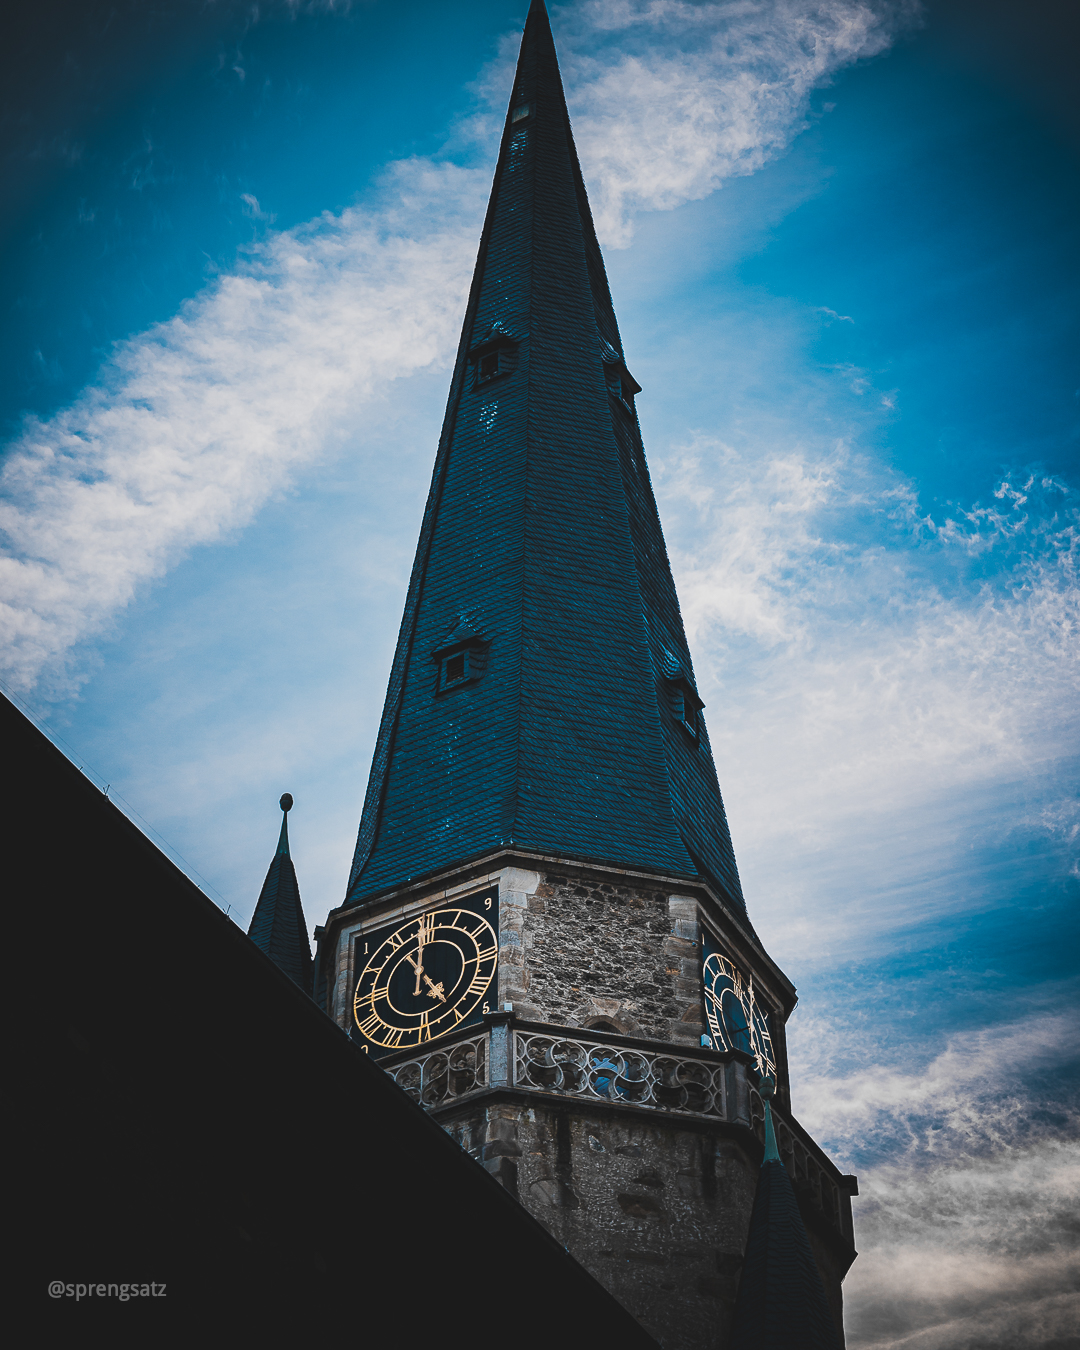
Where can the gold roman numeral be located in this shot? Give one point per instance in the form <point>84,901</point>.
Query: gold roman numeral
<point>373,995</point>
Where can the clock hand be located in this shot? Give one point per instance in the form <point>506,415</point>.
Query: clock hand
<point>418,964</point>
<point>436,990</point>
<point>418,967</point>
<point>757,1046</point>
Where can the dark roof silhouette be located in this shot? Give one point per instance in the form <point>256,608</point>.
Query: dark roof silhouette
<point>781,1304</point>
<point>184,1105</point>
<point>278,926</point>
<point>574,728</point>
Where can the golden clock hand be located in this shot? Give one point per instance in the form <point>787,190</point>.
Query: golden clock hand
<point>418,967</point>
<point>418,964</point>
<point>436,990</point>
<point>757,1045</point>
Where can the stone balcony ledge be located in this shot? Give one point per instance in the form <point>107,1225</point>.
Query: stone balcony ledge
<point>631,1073</point>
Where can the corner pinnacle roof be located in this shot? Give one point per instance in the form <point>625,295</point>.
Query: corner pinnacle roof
<point>278,926</point>
<point>541,552</point>
<point>781,1304</point>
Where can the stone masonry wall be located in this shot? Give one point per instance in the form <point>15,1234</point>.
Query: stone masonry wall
<point>592,948</point>
<point>657,1214</point>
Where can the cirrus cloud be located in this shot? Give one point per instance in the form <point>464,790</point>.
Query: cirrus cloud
<point>194,424</point>
<point>672,98</point>
<point>197,422</point>
<point>886,679</point>
<point>969,1184</point>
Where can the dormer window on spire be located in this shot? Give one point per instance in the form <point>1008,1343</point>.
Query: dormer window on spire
<point>462,658</point>
<point>685,705</point>
<point>455,669</point>
<point>487,367</point>
<point>682,697</point>
<point>621,384</point>
<point>493,357</point>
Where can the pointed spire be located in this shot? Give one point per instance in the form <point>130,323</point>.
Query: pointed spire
<point>781,1304</point>
<point>563,718</point>
<point>278,926</point>
<point>285,803</point>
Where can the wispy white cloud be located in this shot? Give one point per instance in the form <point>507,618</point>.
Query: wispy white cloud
<point>671,98</point>
<point>967,1214</point>
<point>1011,1320</point>
<point>883,660</point>
<point>969,1101</point>
<point>192,425</point>
<point>978,1254</point>
<point>254,210</point>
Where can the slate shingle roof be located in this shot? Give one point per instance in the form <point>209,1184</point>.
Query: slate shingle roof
<point>278,926</point>
<point>541,536</point>
<point>781,1303</point>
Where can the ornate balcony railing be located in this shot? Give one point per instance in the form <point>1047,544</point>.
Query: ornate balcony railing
<point>630,1075</point>
<point>582,1068</point>
<point>444,1075</point>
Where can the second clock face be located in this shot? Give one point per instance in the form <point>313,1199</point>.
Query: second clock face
<point>737,1021</point>
<point>428,976</point>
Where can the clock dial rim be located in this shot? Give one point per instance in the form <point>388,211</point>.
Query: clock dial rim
<point>410,1030</point>
<point>759,1041</point>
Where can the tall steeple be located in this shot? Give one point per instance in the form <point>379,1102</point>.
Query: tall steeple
<point>542,695</point>
<point>278,926</point>
<point>544,939</point>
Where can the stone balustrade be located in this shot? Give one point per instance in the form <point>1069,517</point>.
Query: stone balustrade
<point>590,1069</point>
<point>595,1069</point>
<point>445,1075</point>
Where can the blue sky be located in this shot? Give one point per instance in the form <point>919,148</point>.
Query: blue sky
<point>841,243</point>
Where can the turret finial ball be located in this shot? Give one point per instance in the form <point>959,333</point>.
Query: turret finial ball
<point>286,801</point>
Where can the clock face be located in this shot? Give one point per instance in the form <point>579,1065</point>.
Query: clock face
<point>427,976</point>
<point>737,1021</point>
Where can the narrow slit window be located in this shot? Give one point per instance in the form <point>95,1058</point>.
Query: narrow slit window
<point>455,669</point>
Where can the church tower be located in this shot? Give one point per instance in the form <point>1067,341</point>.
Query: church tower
<point>544,938</point>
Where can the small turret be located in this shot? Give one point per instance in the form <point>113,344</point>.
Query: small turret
<point>781,1303</point>
<point>278,926</point>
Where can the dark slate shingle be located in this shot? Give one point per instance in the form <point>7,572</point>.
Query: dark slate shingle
<point>541,532</point>
<point>781,1303</point>
<point>278,926</point>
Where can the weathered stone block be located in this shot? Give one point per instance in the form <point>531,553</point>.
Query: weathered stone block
<point>505,1172</point>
